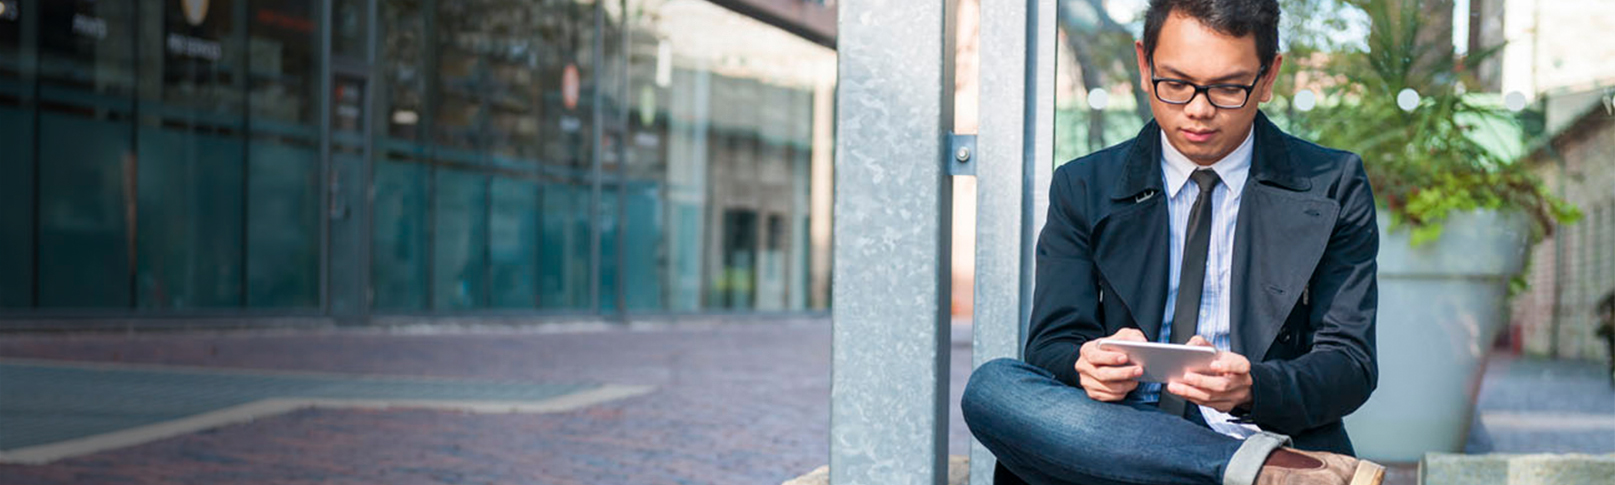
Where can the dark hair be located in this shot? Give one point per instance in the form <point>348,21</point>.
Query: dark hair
<point>1232,17</point>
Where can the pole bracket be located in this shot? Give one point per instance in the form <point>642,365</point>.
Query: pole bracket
<point>961,156</point>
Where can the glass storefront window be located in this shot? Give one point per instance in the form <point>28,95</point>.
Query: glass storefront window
<point>460,241</point>
<point>717,142</point>
<point>556,155</point>
<point>86,190</point>
<point>283,176</point>
<point>16,168</point>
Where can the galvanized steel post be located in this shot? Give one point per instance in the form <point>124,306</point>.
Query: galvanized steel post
<point>1015,149</point>
<point>889,372</point>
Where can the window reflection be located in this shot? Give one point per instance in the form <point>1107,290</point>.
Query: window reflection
<point>16,168</point>
<point>86,84</point>
<point>719,148</point>
<point>554,155</point>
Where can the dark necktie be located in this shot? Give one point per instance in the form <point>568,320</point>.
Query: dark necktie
<point>1192,277</point>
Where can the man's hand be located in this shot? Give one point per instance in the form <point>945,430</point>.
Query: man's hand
<point>1107,375</point>
<point>1225,386</point>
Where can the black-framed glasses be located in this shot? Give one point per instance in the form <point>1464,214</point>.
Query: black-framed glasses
<point>1225,96</point>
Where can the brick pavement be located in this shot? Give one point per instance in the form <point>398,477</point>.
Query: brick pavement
<point>741,403</point>
<point>738,403</point>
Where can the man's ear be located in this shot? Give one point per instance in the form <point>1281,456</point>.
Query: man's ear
<point>1143,67</point>
<point>1271,77</point>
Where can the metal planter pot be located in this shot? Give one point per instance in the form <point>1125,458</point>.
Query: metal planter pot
<point>1440,307</point>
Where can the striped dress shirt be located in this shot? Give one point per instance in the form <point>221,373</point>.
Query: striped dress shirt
<point>1215,310</point>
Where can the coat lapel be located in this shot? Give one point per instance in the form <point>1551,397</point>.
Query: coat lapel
<point>1130,241</point>
<point>1282,233</point>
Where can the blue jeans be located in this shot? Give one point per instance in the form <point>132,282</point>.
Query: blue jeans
<point>1047,432</point>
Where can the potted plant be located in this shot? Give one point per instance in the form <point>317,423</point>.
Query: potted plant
<point>1456,219</point>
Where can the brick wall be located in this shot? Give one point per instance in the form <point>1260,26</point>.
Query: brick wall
<point>1571,270</point>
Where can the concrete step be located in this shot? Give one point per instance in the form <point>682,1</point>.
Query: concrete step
<point>958,473</point>
<point>1434,469</point>
<point>1512,469</point>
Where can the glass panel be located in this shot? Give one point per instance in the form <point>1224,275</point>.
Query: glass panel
<point>283,61</point>
<point>399,271</point>
<point>403,68</point>
<point>190,233</point>
<point>564,246</point>
<point>771,265</point>
<point>513,243</point>
<point>16,207</point>
<point>642,247</point>
<point>566,79</point>
<point>609,275</point>
<point>87,79</point>
<point>1097,68</point>
<point>283,199</point>
<point>460,241</point>
<point>350,26</point>
<point>16,169</point>
<point>399,213</point>
<point>737,276</point>
<point>83,239</point>
<point>462,76</point>
<point>566,82</point>
<point>718,138</point>
<point>283,249</point>
<point>10,42</point>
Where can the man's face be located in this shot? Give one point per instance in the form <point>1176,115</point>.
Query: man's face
<point>1191,51</point>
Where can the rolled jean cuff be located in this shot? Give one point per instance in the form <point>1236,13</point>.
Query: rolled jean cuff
<point>1248,459</point>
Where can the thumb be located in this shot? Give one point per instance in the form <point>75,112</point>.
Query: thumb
<point>1199,341</point>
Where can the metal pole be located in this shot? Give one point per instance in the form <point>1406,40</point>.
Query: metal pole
<point>889,374</point>
<point>596,139</point>
<point>1014,146</point>
<point>325,153</point>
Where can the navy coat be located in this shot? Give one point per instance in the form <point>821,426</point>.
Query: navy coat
<point>1304,290</point>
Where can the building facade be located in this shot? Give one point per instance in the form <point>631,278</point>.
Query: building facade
<point>354,158</point>
<point>1575,267</point>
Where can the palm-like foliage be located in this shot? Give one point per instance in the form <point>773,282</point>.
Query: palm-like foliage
<point>1427,162</point>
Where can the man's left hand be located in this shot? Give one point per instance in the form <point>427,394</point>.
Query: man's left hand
<point>1225,386</point>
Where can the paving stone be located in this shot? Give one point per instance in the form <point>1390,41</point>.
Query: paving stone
<point>958,473</point>
<point>744,402</point>
<point>1517,469</point>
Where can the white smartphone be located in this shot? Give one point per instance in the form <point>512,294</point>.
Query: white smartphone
<point>1163,362</point>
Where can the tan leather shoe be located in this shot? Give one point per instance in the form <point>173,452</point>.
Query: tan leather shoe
<point>1291,466</point>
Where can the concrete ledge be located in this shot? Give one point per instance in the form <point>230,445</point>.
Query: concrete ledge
<point>1543,469</point>
<point>958,473</point>
<point>1434,469</point>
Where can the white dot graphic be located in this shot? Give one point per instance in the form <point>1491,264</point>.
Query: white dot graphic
<point>1407,99</point>
<point>1098,98</point>
<point>1305,100</point>
<point>1514,100</point>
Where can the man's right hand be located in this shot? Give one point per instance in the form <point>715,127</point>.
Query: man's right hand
<point>1107,375</point>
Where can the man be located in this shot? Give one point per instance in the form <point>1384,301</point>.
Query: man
<point>1212,227</point>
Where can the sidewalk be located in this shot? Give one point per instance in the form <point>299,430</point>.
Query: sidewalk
<point>732,403</point>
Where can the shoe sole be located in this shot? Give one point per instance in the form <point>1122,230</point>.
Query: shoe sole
<point>1368,473</point>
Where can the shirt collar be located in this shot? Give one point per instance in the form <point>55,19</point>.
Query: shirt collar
<point>1232,169</point>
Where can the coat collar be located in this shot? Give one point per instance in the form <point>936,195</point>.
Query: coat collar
<point>1270,164</point>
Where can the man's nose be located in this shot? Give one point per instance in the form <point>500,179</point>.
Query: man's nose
<point>1200,107</point>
